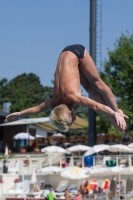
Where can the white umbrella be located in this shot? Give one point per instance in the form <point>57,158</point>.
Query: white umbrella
<point>129,170</point>
<point>53,149</point>
<point>118,148</point>
<point>33,177</point>
<point>78,148</point>
<point>96,149</point>
<point>40,135</point>
<point>75,173</point>
<point>6,151</point>
<point>130,145</point>
<point>100,171</point>
<point>121,170</point>
<point>49,170</point>
<point>130,148</point>
<point>118,169</point>
<point>58,135</point>
<point>23,136</point>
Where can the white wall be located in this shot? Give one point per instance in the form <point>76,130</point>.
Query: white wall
<point>40,131</point>
<point>8,181</point>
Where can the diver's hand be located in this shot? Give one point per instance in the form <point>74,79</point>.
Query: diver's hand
<point>12,117</point>
<point>113,122</point>
<point>118,121</point>
<point>119,117</point>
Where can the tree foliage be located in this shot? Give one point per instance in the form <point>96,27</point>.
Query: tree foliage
<point>25,91</point>
<point>3,82</point>
<point>118,73</point>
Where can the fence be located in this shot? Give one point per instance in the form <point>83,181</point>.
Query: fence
<point>19,165</point>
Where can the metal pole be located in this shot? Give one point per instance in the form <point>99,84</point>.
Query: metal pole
<point>92,114</point>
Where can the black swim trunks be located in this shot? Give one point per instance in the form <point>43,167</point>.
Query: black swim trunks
<point>77,49</point>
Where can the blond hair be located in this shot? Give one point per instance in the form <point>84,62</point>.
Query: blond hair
<point>61,118</point>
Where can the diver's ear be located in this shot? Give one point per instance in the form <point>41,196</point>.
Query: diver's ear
<point>70,112</point>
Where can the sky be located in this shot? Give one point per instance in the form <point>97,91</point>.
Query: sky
<point>34,32</point>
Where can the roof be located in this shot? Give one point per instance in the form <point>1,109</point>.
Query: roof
<point>44,123</point>
<point>27,121</point>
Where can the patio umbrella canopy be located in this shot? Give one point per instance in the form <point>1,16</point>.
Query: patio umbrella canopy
<point>75,173</point>
<point>49,170</point>
<point>57,135</point>
<point>119,170</point>
<point>53,149</point>
<point>119,148</point>
<point>96,149</point>
<point>6,151</point>
<point>130,145</point>
<point>33,177</point>
<point>127,171</point>
<point>100,171</point>
<point>106,171</point>
<point>23,136</point>
<point>78,148</point>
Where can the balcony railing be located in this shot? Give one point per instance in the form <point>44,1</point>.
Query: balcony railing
<point>24,165</point>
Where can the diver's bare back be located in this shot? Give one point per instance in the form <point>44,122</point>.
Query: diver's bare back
<point>67,78</point>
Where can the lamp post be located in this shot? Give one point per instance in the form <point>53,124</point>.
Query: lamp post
<point>92,113</point>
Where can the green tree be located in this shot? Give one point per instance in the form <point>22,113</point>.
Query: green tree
<point>25,91</point>
<point>3,82</point>
<point>103,124</point>
<point>118,73</point>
